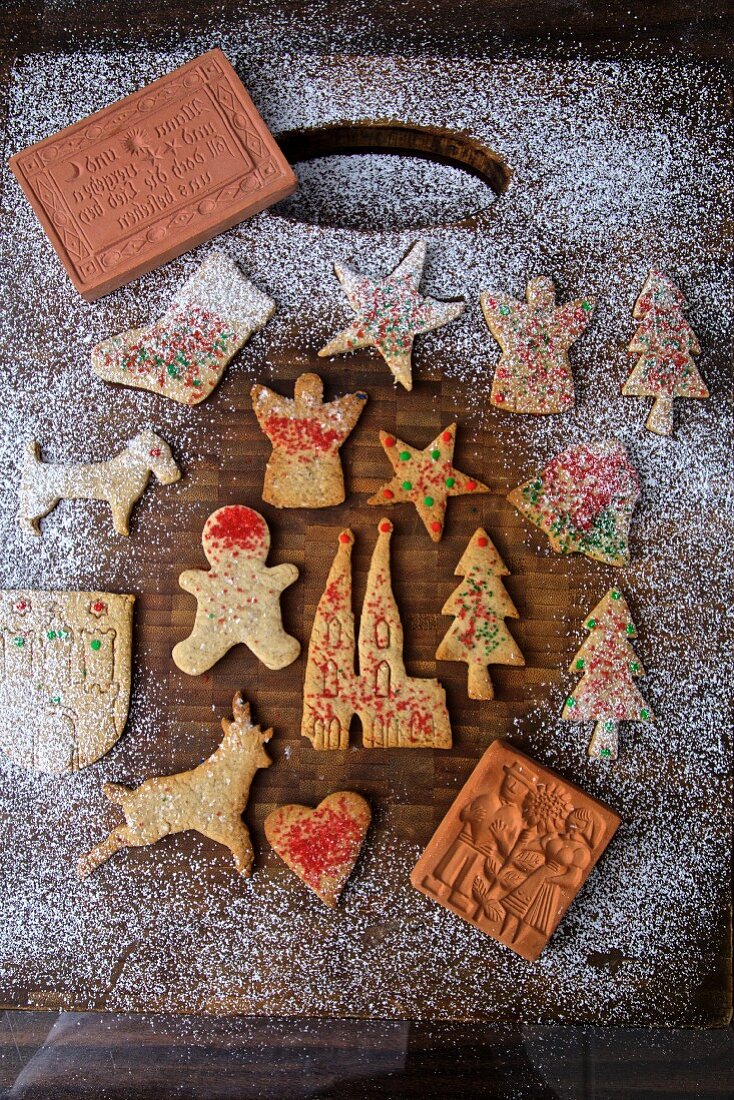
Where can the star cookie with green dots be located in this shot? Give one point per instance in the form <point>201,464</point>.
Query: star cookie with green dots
<point>426,478</point>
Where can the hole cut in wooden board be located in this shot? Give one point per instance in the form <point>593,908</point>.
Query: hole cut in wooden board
<point>388,175</point>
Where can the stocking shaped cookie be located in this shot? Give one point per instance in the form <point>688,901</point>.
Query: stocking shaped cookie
<point>321,846</point>
<point>239,598</point>
<point>184,354</point>
<point>304,470</point>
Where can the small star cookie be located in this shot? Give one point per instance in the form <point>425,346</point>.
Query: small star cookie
<point>391,312</point>
<point>426,478</point>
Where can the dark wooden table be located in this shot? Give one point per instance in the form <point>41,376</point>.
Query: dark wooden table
<point>50,1055</point>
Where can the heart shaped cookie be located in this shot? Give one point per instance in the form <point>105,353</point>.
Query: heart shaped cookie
<point>321,845</point>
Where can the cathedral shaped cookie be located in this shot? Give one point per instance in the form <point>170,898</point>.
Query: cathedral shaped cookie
<point>391,312</point>
<point>397,711</point>
<point>321,846</point>
<point>478,635</point>
<point>184,354</point>
<point>121,481</point>
<point>665,345</point>
<point>534,372</point>
<point>305,470</point>
<point>209,799</point>
<point>583,500</point>
<point>607,693</point>
<point>238,599</point>
<point>425,478</point>
<point>65,660</point>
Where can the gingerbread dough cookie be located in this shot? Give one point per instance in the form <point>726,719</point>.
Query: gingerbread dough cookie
<point>321,846</point>
<point>184,354</point>
<point>305,470</point>
<point>534,372</point>
<point>239,598</point>
<point>209,799</point>
<point>391,312</point>
<point>121,481</point>
<point>65,661</point>
<point>478,634</point>
<point>426,478</point>
<point>583,500</point>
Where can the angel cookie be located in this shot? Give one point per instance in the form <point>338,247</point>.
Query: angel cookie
<point>183,355</point>
<point>239,598</point>
<point>391,312</point>
<point>534,372</point>
<point>209,799</point>
<point>305,470</point>
<point>426,478</point>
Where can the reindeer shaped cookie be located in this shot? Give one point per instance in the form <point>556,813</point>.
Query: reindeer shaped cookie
<point>121,481</point>
<point>209,798</point>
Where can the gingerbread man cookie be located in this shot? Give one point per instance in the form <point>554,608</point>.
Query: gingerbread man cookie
<point>426,478</point>
<point>391,312</point>
<point>534,372</point>
<point>304,470</point>
<point>239,598</point>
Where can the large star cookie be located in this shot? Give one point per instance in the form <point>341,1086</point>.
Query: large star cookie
<point>390,313</point>
<point>426,478</point>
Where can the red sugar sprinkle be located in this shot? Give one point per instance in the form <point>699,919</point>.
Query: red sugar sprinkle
<point>389,441</point>
<point>471,485</point>
<point>446,437</point>
<point>344,537</point>
<point>435,526</point>
<point>236,525</point>
<point>386,527</point>
<point>482,541</point>
<point>388,494</point>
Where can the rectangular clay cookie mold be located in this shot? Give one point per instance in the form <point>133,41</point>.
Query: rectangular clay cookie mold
<point>514,850</point>
<point>157,173</point>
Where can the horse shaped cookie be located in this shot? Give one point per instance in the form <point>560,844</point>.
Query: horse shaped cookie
<point>121,480</point>
<point>209,799</point>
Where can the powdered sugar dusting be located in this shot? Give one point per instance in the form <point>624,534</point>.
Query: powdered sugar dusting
<point>610,178</point>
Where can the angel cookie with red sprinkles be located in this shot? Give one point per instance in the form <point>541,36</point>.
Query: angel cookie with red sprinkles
<point>183,355</point>
<point>321,846</point>
<point>426,478</point>
<point>583,500</point>
<point>534,372</point>
<point>304,470</point>
<point>391,312</point>
<point>239,597</point>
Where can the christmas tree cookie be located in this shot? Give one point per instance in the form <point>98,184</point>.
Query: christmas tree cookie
<point>478,635</point>
<point>425,478</point>
<point>304,470</point>
<point>390,313</point>
<point>184,354</point>
<point>534,372</point>
<point>606,692</point>
<point>583,500</point>
<point>238,599</point>
<point>665,344</point>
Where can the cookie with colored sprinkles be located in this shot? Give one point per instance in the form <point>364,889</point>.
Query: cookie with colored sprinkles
<point>306,433</point>
<point>583,500</point>
<point>534,371</point>
<point>238,599</point>
<point>425,478</point>
<point>606,693</point>
<point>391,312</point>
<point>321,846</point>
<point>184,354</point>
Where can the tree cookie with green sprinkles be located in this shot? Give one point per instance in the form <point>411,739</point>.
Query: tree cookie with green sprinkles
<point>425,478</point>
<point>184,354</point>
<point>478,635</point>
<point>391,312</point>
<point>606,693</point>
<point>534,371</point>
<point>583,500</point>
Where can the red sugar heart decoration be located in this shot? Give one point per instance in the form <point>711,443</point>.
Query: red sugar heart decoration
<point>321,846</point>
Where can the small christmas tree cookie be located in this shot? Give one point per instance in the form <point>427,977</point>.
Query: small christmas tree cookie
<point>478,635</point>
<point>426,478</point>
<point>606,693</point>
<point>391,312</point>
<point>534,372</point>
<point>665,344</point>
<point>583,500</point>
